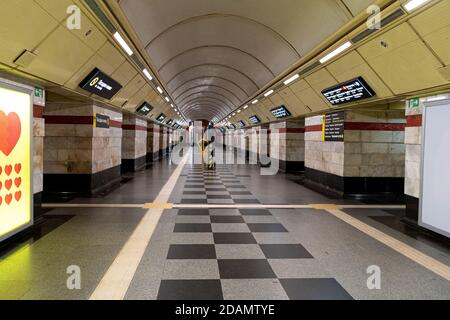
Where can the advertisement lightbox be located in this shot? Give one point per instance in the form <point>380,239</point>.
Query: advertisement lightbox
<point>16,195</point>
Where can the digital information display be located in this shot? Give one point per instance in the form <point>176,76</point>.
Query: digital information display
<point>241,124</point>
<point>280,112</point>
<point>100,84</point>
<point>16,195</point>
<point>161,117</point>
<point>334,126</point>
<point>254,119</point>
<point>144,109</point>
<point>353,90</point>
<point>169,123</point>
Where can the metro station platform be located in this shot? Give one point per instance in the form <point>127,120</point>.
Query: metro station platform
<point>181,232</point>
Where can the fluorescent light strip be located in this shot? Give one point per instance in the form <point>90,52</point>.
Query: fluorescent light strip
<point>335,52</point>
<point>167,99</point>
<point>291,79</point>
<point>147,74</point>
<point>245,107</point>
<point>255,101</point>
<point>159,90</point>
<point>123,43</point>
<point>239,111</point>
<point>268,93</point>
<point>414,4</point>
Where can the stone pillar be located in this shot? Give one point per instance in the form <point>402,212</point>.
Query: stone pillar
<point>134,143</point>
<point>369,162</point>
<point>79,158</point>
<point>150,151</point>
<point>413,160</point>
<point>288,138</point>
<point>156,142</point>
<point>38,158</point>
<point>263,144</point>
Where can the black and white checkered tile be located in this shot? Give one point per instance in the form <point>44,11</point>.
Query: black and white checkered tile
<point>229,254</point>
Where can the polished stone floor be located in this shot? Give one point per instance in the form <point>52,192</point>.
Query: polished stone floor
<point>200,251</point>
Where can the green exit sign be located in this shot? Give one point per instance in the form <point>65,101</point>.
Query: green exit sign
<point>414,103</point>
<point>39,92</point>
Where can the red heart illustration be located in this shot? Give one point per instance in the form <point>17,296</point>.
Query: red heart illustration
<point>1,185</point>
<point>8,170</point>
<point>1,201</point>
<point>18,182</point>
<point>8,184</point>
<point>18,168</point>
<point>1,169</point>
<point>10,130</point>
<point>18,195</point>
<point>8,199</point>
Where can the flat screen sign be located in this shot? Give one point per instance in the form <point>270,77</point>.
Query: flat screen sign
<point>100,84</point>
<point>16,201</point>
<point>161,117</point>
<point>169,123</point>
<point>254,119</point>
<point>353,90</point>
<point>144,109</point>
<point>241,124</point>
<point>101,121</point>
<point>334,126</point>
<point>280,112</point>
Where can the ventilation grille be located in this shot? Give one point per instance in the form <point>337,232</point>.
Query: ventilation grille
<point>384,22</point>
<point>309,68</point>
<point>99,13</point>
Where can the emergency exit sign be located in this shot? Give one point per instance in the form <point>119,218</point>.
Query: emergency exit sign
<point>414,103</point>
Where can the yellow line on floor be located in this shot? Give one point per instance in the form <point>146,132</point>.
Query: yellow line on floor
<point>115,283</point>
<point>424,260</point>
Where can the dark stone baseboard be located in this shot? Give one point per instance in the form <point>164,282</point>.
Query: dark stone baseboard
<point>412,209</point>
<point>291,166</point>
<point>37,205</point>
<point>354,187</point>
<point>133,165</point>
<point>149,158</point>
<point>69,185</point>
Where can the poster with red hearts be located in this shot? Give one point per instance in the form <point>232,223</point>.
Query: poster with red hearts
<point>16,211</point>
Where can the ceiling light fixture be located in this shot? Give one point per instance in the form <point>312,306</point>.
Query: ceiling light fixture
<point>268,93</point>
<point>255,101</point>
<point>123,43</point>
<point>159,90</point>
<point>414,4</point>
<point>167,99</point>
<point>239,111</point>
<point>335,52</point>
<point>291,79</point>
<point>147,74</point>
<point>245,107</point>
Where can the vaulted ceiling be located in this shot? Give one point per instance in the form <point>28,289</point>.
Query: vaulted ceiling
<point>213,55</point>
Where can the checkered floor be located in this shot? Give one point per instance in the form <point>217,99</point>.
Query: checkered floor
<point>229,254</point>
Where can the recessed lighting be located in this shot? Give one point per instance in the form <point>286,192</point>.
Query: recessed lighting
<point>268,93</point>
<point>335,52</point>
<point>167,99</point>
<point>245,107</point>
<point>239,111</point>
<point>172,105</point>
<point>234,114</point>
<point>291,79</point>
<point>414,4</point>
<point>255,101</point>
<point>147,74</point>
<point>159,90</point>
<point>123,43</point>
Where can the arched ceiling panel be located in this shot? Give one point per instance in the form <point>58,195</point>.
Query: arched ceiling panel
<point>212,81</point>
<point>209,88</point>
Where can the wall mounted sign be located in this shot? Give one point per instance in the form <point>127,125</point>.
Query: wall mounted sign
<point>144,109</point>
<point>169,123</point>
<point>101,121</point>
<point>334,126</point>
<point>161,117</point>
<point>353,90</point>
<point>254,119</point>
<point>241,124</point>
<point>414,103</point>
<point>280,112</point>
<point>16,194</point>
<point>100,84</point>
<point>39,97</point>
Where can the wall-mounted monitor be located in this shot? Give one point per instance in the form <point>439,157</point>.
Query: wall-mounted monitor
<point>144,109</point>
<point>169,123</point>
<point>241,124</point>
<point>254,119</point>
<point>161,117</point>
<point>353,90</point>
<point>100,84</point>
<point>280,112</point>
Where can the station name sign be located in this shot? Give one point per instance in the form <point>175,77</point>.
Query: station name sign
<point>334,126</point>
<point>144,109</point>
<point>280,112</point>
<point>100,84</point>
<point>254,119</point>
<point>353,90</point>
<point>101,121</point>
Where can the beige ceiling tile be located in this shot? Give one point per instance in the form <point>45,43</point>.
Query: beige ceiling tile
<point>299,85</point>
<point>125,73</point>
<point>59,56</point>
<point>111,55</point>
<point>90,34</point>
<point>295,105</point>
<point>433,19</point>
<point>312,100</point>
<point>94,62</point>
<point>439,41</point>
<point>24,25</point>
<point>58,8</point>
